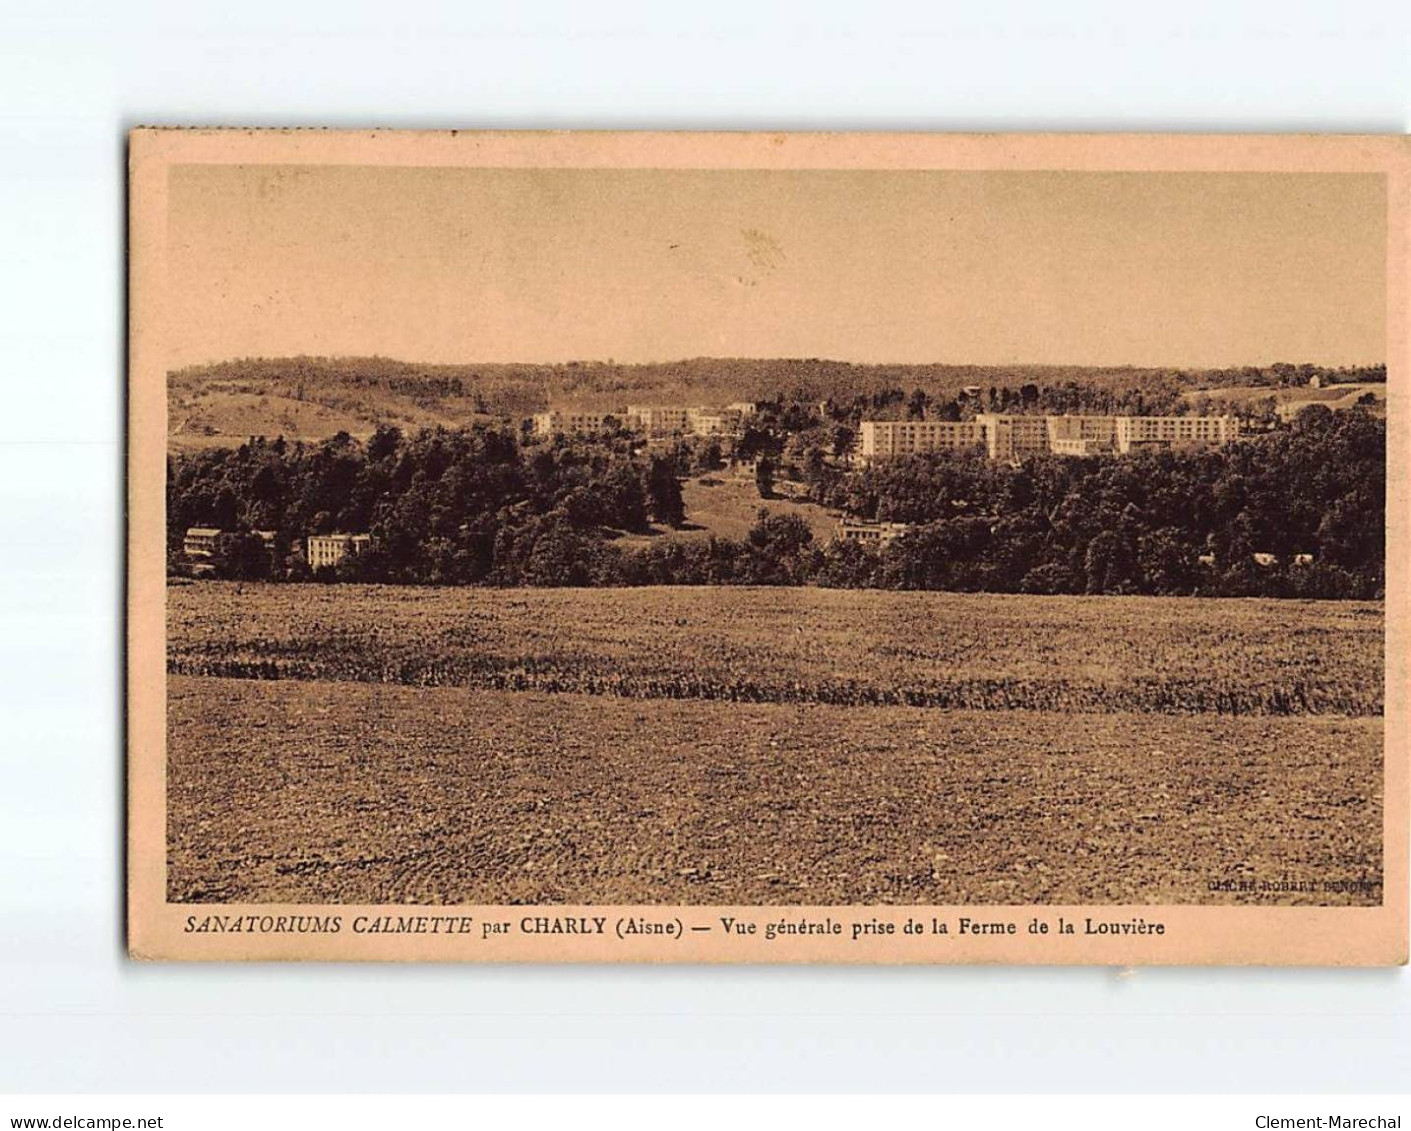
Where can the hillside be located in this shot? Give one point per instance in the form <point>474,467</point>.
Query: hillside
<point>309,398</point>
<point>312,398</point>
<point>1290,399</point>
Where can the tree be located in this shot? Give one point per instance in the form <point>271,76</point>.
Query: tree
<point>709,456</point>
<point>1108,563</point>
<point>664,492</point>
<point>1167,561</point>
<point>244,557</point>
<point>1049,577</point>
<point>764,477</point>
<point>847,564</point>
<point>778,544</point>
<point>384,442</point>
<point>559,557</point>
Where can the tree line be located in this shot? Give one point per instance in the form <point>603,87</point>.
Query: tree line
<point>444,506</point>
<point>1298,512</point>
<point>512,388</point>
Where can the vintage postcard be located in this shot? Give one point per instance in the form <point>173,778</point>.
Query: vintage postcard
<point>856,548</point>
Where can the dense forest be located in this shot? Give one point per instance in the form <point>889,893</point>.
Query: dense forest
<point>1298,511</point>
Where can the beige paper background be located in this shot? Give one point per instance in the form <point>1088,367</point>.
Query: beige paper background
<point>1235,935</point>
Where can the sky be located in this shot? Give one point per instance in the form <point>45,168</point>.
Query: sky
<point>488,265</point>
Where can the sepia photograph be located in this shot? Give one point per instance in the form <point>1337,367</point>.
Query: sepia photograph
<point>847,563</point>
<point>764,523</point>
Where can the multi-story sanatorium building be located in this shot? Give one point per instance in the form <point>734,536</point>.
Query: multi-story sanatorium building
<point>879,439</point>
<point>1134,432</point>
<point>657,420</point>
<point>650,420</point>
<point>704,421</point>
<point>569,421</point>
<point>1013,437</point>
<point>330,549</point>
<point>1081,435</point>
<point>1009,437</point>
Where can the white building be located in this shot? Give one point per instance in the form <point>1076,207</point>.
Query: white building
<point>1081,435</point>
<point>657,420</point>
<point>882,439</point>
<point>330,549</point>
<point>1009,437</point>
<point>201,542</point>
<point>1137,432</point>
<point>870,533</point>
<point>569,422</point>
<point>703,421</point>
<point>707,421</point>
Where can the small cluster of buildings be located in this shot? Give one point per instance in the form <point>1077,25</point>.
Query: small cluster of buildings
<point>204,543</point>
<point>1012,437</point>
<point>876,534</point>
<point>650,420</point>
<point>205,548</point>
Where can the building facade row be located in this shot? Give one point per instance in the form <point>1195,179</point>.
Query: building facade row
<point>571,422</point>
<point>870,533</point>
<point>648,419</point>
<point>208,546</point>
<point>207,543</point>
<point>881,439</point>
<point>1012,437</point>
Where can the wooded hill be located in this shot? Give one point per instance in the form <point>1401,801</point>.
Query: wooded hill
<point>314,398</point>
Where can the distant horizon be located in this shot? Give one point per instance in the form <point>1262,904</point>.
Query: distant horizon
<point>651,364</point>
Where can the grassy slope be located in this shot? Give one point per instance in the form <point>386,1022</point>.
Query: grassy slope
<point>218,415</point>
<point>1334,396</point>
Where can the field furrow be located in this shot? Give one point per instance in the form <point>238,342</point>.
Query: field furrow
<point>347,792</point>
<point>846,648</point>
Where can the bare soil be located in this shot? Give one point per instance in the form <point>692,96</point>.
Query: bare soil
<point>306,791</point>
<point>1171,655</point>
